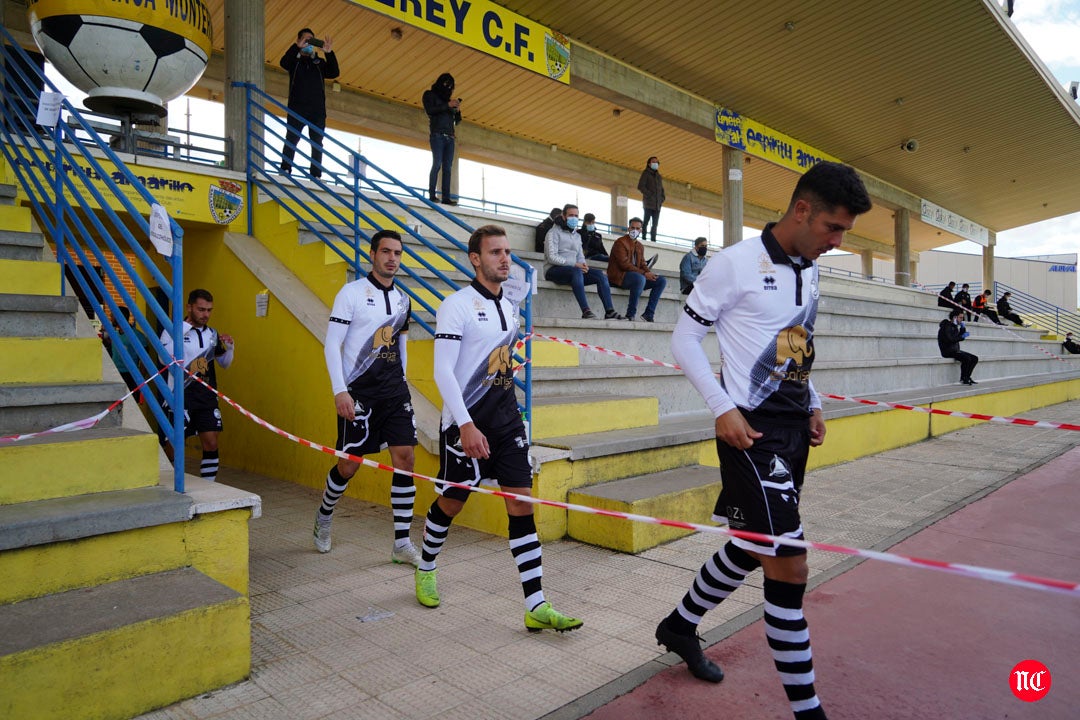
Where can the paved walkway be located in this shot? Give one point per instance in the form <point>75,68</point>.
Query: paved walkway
<point>341,636</point>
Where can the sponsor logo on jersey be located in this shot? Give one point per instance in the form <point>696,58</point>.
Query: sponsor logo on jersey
<point>793,343</point>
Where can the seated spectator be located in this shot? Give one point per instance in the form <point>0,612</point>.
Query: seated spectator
<point>981,306</point>
<point>1005,310</point>
<point>951,332</point>
<point>566,264</point>
<point>592,242</point>
<point>1070,345</point>
<point>628,269</point>
<point>692,264</point>
<point>543,227</point>
<point>963,298</point>
<point>945,297</point>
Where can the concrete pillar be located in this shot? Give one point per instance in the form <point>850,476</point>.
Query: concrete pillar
<point>455,179</point>
<point>988,261</point>
<point>867,263</point>
<point>245,55</point>
<point>901,238</point>
<point>620,210</point>
<point>914,266</point>
<point>733,195</point>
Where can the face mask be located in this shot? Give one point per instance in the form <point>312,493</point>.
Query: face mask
<point>572,223</point>
<point>308,50</point>
<point>701,251</point>
<point>654,166</point>
<point>634,234</point>
<point>590,228</point>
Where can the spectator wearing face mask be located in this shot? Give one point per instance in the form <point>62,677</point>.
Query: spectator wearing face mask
<point>307,95</point>
<point>692,264</point>
<point>592,242</point>
<point>566,264</point>
<point>651,186</point>
<point>628,270</point>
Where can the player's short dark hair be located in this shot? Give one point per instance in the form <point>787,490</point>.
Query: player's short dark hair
<point>392,234</point>
<point>829,185</point>
<point>199,294</point>
<point>482,232</point>
<point>302,31</point>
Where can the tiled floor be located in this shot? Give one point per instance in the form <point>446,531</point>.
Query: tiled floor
<point>341,635</point>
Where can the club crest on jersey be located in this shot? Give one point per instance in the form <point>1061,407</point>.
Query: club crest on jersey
<point>370,297</point>
<point>765,264</point>
<point>478,306</point>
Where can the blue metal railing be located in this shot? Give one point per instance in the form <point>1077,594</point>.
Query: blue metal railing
<point>342,206</point>
<point>1038,311</point>
<point>71,194</point>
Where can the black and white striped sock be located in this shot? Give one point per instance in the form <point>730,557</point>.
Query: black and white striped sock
<point>402,495</point>
<point>789,640</point>
<point>208,468</point>
<point>335,488</point>
<point>436,528</point>
<point>525,546</point>
<point>720,576</point>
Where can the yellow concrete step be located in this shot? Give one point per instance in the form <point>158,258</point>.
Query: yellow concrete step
<point>29,277</point>
<point>555,416</point>
<point>50,360</point>
<point>686,494</point>
<point>121,649</point>
<point>76,463</point>
<point>15,218</point>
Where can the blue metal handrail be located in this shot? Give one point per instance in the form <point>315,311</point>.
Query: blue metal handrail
<point>1044,314</point>
<point>351,200</point>
<point>51,165</point>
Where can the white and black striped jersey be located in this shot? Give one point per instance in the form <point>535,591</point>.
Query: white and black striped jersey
<point>365,340</point>
<point>474,337</point>
<point>763,304</point>
<point>203,350</point>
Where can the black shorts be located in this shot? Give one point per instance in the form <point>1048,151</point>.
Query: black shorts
<point>761,487</point>
<point>196,420</point>
<point>508,463</point>
<point>388,422</point>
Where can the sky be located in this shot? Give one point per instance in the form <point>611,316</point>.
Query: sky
<point>1050,27</point>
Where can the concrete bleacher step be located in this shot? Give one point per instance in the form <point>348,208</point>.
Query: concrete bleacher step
<point>49,360</point>
<point>30,277</point>
<point>687,494</point>
<point>122,648</point>
<point>16,245</point>
<point>15,218</point>
<point>555,414</point>
<point>37,315</point>
<point>110,458</point>
<point>8,193</point>
<point>41,406</point>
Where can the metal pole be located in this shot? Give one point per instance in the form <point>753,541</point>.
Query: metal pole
<point>175,370</point>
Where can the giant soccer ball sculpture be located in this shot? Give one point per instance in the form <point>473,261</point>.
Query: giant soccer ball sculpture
<point>130,58</point>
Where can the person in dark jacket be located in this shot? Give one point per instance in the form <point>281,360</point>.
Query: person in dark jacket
<point>945,298</point>
<point>592,242</point>
<point>651,185</point>
<point>443,114</point>
<point>951,332</point>
<point>544,226</point>
<point>1005,310</point>
<point>963,297</point>
<point>1070,345</point>
<point>307,96</point>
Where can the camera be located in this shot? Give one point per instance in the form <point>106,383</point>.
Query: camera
<point>316,42</point>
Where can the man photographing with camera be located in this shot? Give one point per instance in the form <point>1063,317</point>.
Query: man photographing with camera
<point>307,95</point>
<point>444,112</point>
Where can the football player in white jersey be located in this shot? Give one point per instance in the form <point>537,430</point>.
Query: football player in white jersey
<point>365,357</point>
<point>482,433</point>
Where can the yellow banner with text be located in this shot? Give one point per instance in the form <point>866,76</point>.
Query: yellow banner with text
<point>484,26</point>
<point>750,136</point>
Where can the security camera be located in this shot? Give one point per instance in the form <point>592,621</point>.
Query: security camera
<point>910,145</point>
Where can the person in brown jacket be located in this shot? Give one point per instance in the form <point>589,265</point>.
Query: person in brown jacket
<point>627,269</point>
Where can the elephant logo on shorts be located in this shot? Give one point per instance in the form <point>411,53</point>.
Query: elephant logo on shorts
<point>792,344</point>
<point>499,360</point>
<point>199,366</point>
<point>384,336</point>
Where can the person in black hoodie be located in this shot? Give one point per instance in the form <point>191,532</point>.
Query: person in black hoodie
<point>307,96</point>
<point>443,114</point>
<point>951,332</point>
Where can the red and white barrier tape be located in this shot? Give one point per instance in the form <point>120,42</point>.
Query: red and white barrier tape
<point>863,401</point>
<point>85,423</point>
<point>974,571</point>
